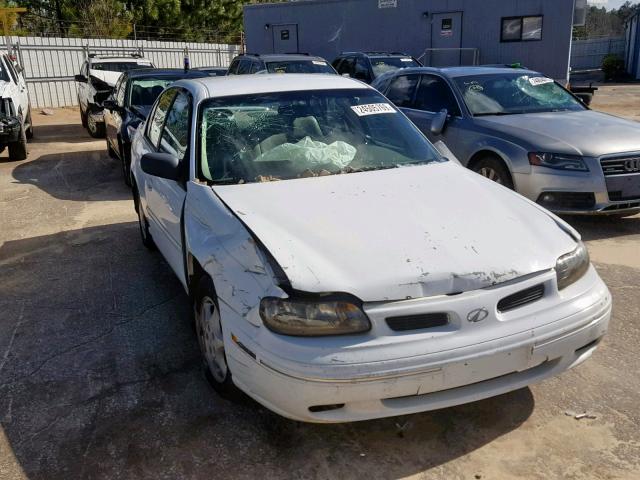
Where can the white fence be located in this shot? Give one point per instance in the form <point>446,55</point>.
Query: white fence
<point>50,63</point>
<point>589,54</point>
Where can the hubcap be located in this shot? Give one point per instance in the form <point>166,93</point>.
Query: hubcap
<point>210,338</point>
<point>91,123</point>
<point>491,174</point>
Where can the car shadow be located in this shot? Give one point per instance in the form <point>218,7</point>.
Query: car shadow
<point>75,175</point>
<point>68,133</point>
<point>102,379</point>
<point>604,227</point>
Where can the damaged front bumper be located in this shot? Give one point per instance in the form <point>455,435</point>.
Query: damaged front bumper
<point>10,126</point>
<point>391,373</point>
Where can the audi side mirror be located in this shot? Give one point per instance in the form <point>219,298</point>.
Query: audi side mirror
<point>439,121</point>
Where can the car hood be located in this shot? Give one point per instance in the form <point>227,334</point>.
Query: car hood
<point>110,78</point>
<point>586,132</point>
<point>396,234</point>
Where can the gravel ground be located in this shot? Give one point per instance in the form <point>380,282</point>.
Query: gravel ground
<point>100,376</point>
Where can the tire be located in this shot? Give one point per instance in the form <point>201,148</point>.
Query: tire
<point>29,131</point>
<point>111,152</point>
<point>83,117</point>
<point>143,225</point>
<point>18,149</point>
<point>211,339</point>
<point>494,169</point>
<point>96,129</point>
<point>126,166</point>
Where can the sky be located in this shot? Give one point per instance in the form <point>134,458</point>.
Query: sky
<point>607,3</point>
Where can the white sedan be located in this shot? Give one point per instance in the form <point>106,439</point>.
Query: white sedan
<point>340,267</point>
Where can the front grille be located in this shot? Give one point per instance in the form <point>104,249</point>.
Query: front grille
<point>521,298</point>
<point>418,322</point>
<point>6,107</point>
<point>616,166</point>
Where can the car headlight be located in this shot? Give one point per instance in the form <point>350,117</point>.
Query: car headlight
<point>558,161</point>
<point>313,317</point>
<point>572,266</point>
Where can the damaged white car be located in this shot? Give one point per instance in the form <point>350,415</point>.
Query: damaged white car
<point>340,268</point>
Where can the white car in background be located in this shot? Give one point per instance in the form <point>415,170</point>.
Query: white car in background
<point>340,267</point>
<point>98,75</point>
<point>15,110</point>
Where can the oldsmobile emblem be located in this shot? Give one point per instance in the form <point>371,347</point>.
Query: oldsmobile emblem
<point>477,315</point>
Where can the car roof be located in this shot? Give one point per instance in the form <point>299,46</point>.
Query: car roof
<point>212,87</point>
<point>453,72</point>
<point>375,54</point>
<point>282,57</point>
<point>100,59</point>
<point>164,72</point>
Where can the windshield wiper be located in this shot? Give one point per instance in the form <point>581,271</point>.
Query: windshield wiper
<point>497,114</point>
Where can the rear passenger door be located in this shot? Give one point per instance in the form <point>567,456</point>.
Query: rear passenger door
<point>168,132</point>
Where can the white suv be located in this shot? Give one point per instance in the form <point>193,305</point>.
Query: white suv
<point>15,110</point>
<point>96,80</point>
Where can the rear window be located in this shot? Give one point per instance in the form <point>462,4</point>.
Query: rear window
<point>382,65</point>
<point>300,66</point>
<point>118,67</point>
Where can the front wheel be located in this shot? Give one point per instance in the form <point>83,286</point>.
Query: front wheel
<point>211,338</point>
<point>18,149</point>
<point>495,170</point>
<point>143,224</point>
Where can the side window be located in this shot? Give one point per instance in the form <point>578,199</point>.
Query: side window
<point>361,70</point>
<point>245,67</point>
<point>434,94</point>
<point>255,67</point>
<point>175,135</point>
<point>233,68</point>
<point>346,66</point>
<point>336,64</point>
<point>156,121</point>
<point>121,88</point>
<point>402,90</point>
<point>10,69</point>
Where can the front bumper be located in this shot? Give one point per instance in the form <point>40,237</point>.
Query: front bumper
<point>443,368</point>
<point>573,189</point>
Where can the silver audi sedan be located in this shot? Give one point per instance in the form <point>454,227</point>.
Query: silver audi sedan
<point>527,132</point>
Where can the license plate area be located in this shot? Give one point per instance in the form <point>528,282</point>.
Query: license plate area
<point>624,187</point>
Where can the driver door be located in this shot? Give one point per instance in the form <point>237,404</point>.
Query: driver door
<point>165,198</point>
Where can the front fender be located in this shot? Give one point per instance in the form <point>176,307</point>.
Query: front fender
<point>228,253</point>
<point>513,155</point>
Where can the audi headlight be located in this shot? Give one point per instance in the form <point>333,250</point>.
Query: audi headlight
<point>313,317</point>
<point>558,161</point>
<point>572,266</point>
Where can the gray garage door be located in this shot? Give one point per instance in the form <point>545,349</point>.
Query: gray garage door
<point>446,32</point>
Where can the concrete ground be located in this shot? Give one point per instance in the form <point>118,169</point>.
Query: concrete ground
<point>100,375</point>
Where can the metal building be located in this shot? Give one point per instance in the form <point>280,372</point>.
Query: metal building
<point>535,33</point>
<point>632,47</point>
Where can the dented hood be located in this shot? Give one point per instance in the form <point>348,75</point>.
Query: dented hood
<point>393,234</point>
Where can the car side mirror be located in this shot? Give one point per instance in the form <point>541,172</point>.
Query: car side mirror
<point>110,104</point>
<point>438,122</point>
<point>163,165</point>
<point>80,78</point>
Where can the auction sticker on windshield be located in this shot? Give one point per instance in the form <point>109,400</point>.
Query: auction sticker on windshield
<point>535,81</point>
<point>317,62</point>
<point>372,109</point>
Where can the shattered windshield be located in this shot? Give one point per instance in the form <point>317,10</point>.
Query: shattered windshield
<point>381,65</point>
<point>145,91</point>
<point>514,93</point>
<point>287,135</point>
<point>300,66</point>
